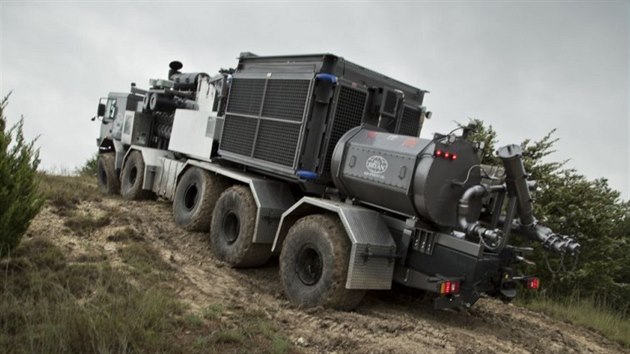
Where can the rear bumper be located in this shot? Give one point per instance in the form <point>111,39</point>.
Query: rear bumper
<point>477,274</point>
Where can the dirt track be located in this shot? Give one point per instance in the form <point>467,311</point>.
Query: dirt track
<point>385,322</point>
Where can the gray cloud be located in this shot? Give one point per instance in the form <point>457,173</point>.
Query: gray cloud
<point>525,68</point>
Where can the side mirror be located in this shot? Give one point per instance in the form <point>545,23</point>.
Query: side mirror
<point>101,110</point>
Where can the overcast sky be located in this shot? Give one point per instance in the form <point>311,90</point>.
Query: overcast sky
<point>523,67</point>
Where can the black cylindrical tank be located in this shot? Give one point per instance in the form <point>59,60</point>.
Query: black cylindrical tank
<point>407,175</point>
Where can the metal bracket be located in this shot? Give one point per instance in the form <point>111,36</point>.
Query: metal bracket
<point>424,241</point>
<point>391,256</point>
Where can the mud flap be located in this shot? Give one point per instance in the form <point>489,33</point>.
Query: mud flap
<point>373,253</point>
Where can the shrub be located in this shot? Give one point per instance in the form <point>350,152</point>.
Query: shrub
<point>90,167</point>
<point>19,197</point>
<point>589,210</point>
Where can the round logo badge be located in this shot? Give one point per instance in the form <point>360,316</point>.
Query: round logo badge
<point>376,164</point>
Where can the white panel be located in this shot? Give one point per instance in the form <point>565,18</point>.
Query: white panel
<point>189,134</point>
<point>205,94</point>
<point>127,130</point>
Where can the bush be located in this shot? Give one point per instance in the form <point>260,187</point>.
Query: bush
<point>90,168</point>
<point>19,197</point>
<point>589,210</point>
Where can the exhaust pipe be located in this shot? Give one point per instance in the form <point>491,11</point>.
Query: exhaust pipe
<point>518,186</point>
<point>175,66</point>
<point>516,182</point>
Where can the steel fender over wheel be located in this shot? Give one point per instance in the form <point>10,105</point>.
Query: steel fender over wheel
<point>132,177</point>
<point>232,229</point>
<point>106,174</point>
<point>195,196</point>
<point>314,264</point>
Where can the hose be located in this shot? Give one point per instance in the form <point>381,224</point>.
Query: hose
<point>475,229</point>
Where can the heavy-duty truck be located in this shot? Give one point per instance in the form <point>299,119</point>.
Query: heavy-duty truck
<point>319,161</point>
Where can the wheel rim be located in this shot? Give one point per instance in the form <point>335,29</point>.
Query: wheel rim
<point>191,196</point>
<point>309,266</point>
<point>133,174</point>
<point>231,227</point>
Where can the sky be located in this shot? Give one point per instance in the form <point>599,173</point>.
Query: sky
<point>524,67</point>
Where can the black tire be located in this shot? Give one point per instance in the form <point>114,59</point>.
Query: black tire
<point>196,194</point>
<point>232,230</point>
<point>314,264</point>
<point>132,177</point>
<point>106,175</point>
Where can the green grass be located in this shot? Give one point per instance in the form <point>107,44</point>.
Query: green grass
<point>48,305</point>
<point>66,192</point>
<point>86,224</point>
<point>213,311</point>
<point>586,313</point>
<point>87,305</point>
<point>144,258</point>
<point>126,233</point>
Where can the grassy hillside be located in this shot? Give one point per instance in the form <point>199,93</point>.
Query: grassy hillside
<point>96,274</point>
<point>586,313</point>
<point>94,302</point>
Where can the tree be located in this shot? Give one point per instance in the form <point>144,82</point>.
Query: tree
<point>590,210</point>
<point>20,200</point>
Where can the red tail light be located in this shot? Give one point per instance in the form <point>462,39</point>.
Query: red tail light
<point>445,154</point>
<point>449,287</point>
<point>533,283</point>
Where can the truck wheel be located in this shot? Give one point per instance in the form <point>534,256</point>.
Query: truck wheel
<point>106,174</point>
<point>232,229</point>
<point>314,264</point>
<point>196,194</point>
<point>132,177</point>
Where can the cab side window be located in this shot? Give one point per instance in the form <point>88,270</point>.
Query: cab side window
<point>110,111</point>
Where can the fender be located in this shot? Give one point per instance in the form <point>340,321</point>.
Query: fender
<point>108,145</point>
<point>373,253</point>
<point>152,163</point>
<point>272,197</point>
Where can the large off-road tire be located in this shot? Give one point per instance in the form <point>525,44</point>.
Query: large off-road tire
<point>232,230</point>
<point>314,264</point>
<point>106,175</point>
<point>132,177</point>
<point>196,194</point>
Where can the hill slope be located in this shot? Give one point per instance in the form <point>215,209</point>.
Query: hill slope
<point>85,225</point>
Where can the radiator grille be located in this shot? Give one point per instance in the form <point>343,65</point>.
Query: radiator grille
<point>349,114</point>
<point>269,135</point>
<point>410,123</point>
<point>238,134</point>
<point>277,142</point>
<point>246,96</point>
<point>286,99</point>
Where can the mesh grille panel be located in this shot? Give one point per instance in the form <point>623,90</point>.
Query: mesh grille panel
<point>410,122</point>
<point>238,134</point>
<point>286,99</point>
<point>246,96</point>
<point>277,142</point>
<point>348,115</point>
